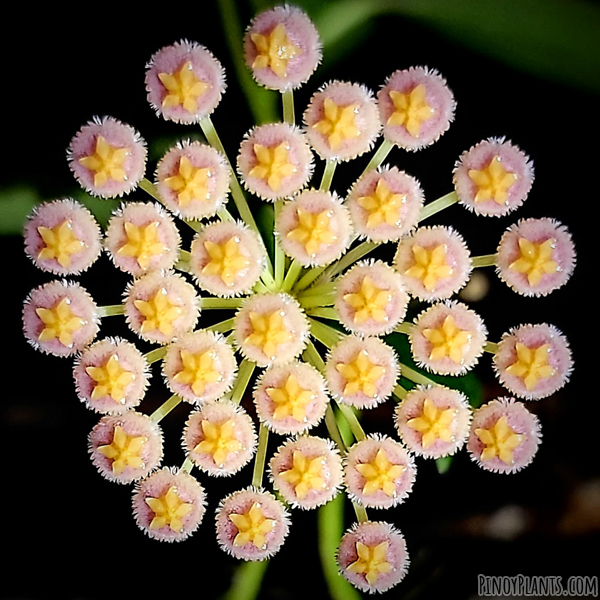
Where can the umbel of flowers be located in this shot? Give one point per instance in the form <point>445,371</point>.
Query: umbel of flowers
<point>309,324</point>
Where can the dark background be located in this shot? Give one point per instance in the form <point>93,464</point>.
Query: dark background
<point>69,534</point>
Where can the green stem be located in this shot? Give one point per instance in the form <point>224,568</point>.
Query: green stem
<point>155,355</point>
<point>162,411</point>
<point>260,288</point>
<point>247,580</point>
<point>221,303</point>
<point>328,172</point>
<point>404,327</point>
<point>333,430</point>
<point>384,149</point>
<point>308,278</point>
<point>187,466</point>
<point>348,259</point>
<point>319,290</point>
<point>291,276</point>
<point>225,215</point>
<point>328,336</point>
<point>261,454</point>
<point>355,426</point>
<point>415,376</point>
<point>361,512</point>
<point>287,99</point>
<point>222,327</point>
<point>241,383</point>
<point>324,313</point>
<point>111,311</point>
<point>311,355</point>
<point>279,255</point>
<point>313,301</point>
<point>487,260</point>
<point>491,347</point>
<point>436,206</point>
<point>399,392</point>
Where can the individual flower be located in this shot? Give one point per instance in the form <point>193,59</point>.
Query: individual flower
<point>111,376</point>
<point>416,107</point>
<point>307,471</point>
<point>251,524</point>
<point>493,178</point>
<point>184,82</point>
<point>342,121</point>
<point>433,420</point>
<point>219,438</point>
<point>385,204</point>
<point>535,256</point>
<point>533,361</point>
<point>504,436</point>
<point>126,447</point>
<point>62,237</point>
<point>107,157</point>
<point>378,472</point>
<point>372,556</point>
<point>169,505</point>
<point>60,318</point>
<point>282,48</point>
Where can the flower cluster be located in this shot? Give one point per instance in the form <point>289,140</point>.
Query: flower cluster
<point>312,323</point>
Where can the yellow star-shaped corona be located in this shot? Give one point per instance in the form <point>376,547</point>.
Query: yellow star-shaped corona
<point>253,527</point>
<point>493,182</point>
<point>372,561</point>
<point>198,370</point>
<point>434,423</point>
<point>143,243</point>
<point>275,50</point>
<point>183,88</point>
<point>338,123</point>
<point>291,400</point>
<point>380,474</point>
<point>226,260</point>
<point>313,231</point>
<point>369,302</point>
<point>499,440</point>
<point>60,323</point>
<point>273,164</point>
<point>190,183</point>
<point>383,206</point>
<point>60,242</point>
<point>219,440</point>
<point>532,364</point>
<point>125,450</point>
<point>305,474</point>
<point>269,332</point>
<point>107,162</point>
<point>536,260</point>
<point>411,109</point>
<point>111,379</point>
<point>430,266</point>
<point>448,341</point>
<point>169,510</point>
<point>361,375</point>
<point>159,313</point>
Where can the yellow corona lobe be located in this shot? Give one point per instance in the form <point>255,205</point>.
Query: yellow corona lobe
<point>380,474</point>
<point>372,561</point>
<point>313,231</point>
<point>338,123</point>
<point>532,364</point>
<point>107,162</point>
<point>275,50</point>
<point>183,88</point>
<point>191,183</point>
<point>383,206</point>
<point>159,313</point>
<point>111,380</point>
<point>305,474</point>
<point>411,109</point>
<point>252,527</point>
<point>291,400</point>
<point>448,341</point>
<point>169,510</point>
<point>124,450</point>
<point>430,266</point>
<point>493,182</point>
<point>499,440</point>
<point>434,423</point>
<point>361,375</point>
<point>220,440</point>
<point>269,332</point>
<point>226,260</point>
<point>198,370</point>
<point>369,302</point>
<point>273,164</point>
<point>143,243</point>
<point>60,243</point>
<point>536,260</point>
<point>59,323</point>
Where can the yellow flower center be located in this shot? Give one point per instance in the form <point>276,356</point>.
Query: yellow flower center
<point>380,474</point>
<point>142,243</point>
<point>106,162</point>
<point>305,474</point>
<point>369,302</point>
<point>291,400</point>
<point>448,340</point>
<point>499,440</point>
<point>372,561</point>
<point>169,510</point>
<point>273,164</point>
<point>219,440</point>
<point>313,231</point>
<point>60,243</point>
<point>430,266</point>
<point>361,375</point>
<point>111,380</point>
<point>532,364</point>
<point>60,323</point>
<point>183,88</point>
<point>434,423</point>
<point>191,183</point>
<point>536,260</point>
<point>338,123</point>
<point>226,260</point>
<point>198,370</point>
<point>269,332</point>
<point>124,451</point>
<point>493,182</point>
<point>159,313</point>
<point>252,527</point>
<point>411,109</point>
<point>383,206</point>
<point>274,50</point>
